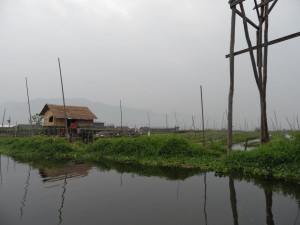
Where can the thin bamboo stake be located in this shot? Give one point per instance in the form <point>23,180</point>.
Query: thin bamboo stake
<point>149,132</point>
<point>3,120</point>
<point>30,120</point>
<point>121,116</point>
<point>289,123</point>
<point>16,129</point>
<point>276,121</point>
<point>193,122</point>
<point>176,125</point>
<point>167,125</point>
<point>63,94</point>
<point>148,119</point>
<point>203,135</point>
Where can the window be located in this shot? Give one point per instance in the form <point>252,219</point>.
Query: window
<point>51,119</point>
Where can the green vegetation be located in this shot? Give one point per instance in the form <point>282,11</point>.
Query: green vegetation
<point>279,159</point>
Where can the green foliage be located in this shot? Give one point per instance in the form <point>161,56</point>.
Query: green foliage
<point>278,159</point>
<point>37,119</point>
<point>153,146</point>
<point>38,145</point>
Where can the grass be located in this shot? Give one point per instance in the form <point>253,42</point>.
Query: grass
<point>279,159</point>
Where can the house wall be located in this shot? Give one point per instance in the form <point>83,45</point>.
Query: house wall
<point>47,115</point>
<point>61,122</point>
<point>85,123</point>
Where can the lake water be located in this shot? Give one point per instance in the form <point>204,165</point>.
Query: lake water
<point>45,193</point>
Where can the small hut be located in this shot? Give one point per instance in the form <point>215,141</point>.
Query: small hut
<point>77,116</point>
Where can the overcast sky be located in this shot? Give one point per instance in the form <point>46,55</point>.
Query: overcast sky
<point>151,54</point>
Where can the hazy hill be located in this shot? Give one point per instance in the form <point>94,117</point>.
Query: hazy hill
<point>18,111</point>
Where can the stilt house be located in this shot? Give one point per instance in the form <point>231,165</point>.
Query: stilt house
<point>77,116</point>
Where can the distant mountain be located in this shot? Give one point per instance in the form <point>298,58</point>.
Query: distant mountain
<point>18,112</point>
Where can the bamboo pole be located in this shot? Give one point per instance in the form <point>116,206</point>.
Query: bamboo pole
<point>3,120</point>
<point>193,121</point>
<point>28,101</point>
<point>203,135</point>
<point>16,129</point>
<point>63,94</point>
<point>231,87</point>
<point>149,132</point>
<point>121,116</point>
<point>167,125</point>
<point>176,125</point>
<point>289,123</point>
<point>276,121</point>
<point>275,41</point>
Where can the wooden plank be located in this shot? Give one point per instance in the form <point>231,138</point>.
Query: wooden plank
<point>275,41</point>
<point>247,19</point>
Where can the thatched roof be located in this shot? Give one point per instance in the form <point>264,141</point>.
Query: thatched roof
<point>73,112</point>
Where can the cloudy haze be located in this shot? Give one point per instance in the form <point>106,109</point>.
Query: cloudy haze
<point>151,54</point>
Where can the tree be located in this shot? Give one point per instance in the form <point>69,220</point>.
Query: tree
<point>37,119</point>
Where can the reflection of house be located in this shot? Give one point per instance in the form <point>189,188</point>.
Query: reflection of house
<point>77,116</point>
<point>70,171</point>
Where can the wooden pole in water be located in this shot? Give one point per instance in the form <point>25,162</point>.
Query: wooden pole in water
<point>28,101</point>
<point>63,94</point>
<point>203,135</point>
<point>3,120</point>
<point>231,87</point>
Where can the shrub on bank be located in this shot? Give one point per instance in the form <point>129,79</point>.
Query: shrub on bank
<point>275,159</point>
<point>39,145</point>
<point>153,146</point>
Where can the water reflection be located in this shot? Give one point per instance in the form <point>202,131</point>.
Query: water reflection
<point>78,193</point>
<point>60,210</point>
<point>177,193</point>
<point>1,170</point>
<point>71,170</point>
<point>269,202</point>
<point>205,199</point>
<point>297,214</point>
<point>233,201</point>
<point>27,183</point>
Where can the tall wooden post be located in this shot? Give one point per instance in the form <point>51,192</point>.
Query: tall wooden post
<point>231,87</point>
<point>203,135</point>
<point>63,94</point>
<point>121,116</point>
<point>30,120</point>
<point>167,125</point>
<point>3,120</point>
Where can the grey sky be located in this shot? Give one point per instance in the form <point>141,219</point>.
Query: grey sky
<point>151,54</point>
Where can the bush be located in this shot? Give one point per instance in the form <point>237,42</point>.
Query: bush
<point>153,146</point>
